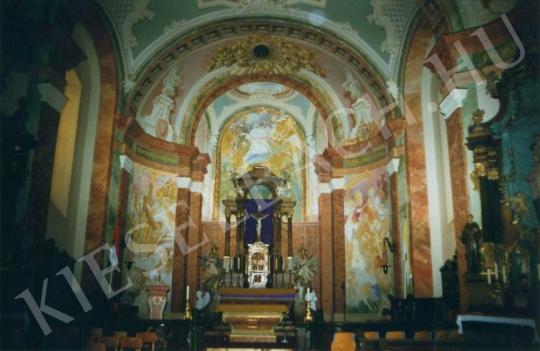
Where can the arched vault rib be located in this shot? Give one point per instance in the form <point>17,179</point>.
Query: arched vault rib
<point>180,47</point>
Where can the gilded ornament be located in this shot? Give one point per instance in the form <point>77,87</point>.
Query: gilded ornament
<point>265,54</point>
<point>478,117</point>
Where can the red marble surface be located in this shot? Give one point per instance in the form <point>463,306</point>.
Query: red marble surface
<point>416,165</point>
<point>99,186</point>
<point>460,196</point>
<point>195,238</point>
<point>326,294</point>
<point>179,259</point>
<point>396,236</point>
<point>338,230</point>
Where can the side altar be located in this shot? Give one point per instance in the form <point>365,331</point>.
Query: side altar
<point>257,289</point>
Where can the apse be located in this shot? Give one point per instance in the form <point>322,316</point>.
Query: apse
<point>249,174</point>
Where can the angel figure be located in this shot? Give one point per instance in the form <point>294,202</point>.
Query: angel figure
<point>213,272</point>
<point>304,267</point>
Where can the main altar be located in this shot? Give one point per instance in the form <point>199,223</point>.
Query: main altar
<point>257,288</point>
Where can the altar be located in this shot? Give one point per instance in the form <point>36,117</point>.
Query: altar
<point>255,296</point>
<point>253,313</point>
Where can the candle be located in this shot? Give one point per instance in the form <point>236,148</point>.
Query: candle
<point>187,292</point>
<point>489,276</point>
<point>504,275</point>
<point>496,271</point>
<point>227,263</point>
<point>289,263</point>
<point>307,295</point>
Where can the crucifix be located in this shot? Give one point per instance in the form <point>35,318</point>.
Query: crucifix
<point>259,217</point>
<point>489,273</point>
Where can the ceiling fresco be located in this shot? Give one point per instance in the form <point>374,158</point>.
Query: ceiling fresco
<point>174,99</point>
<point>374,28</point>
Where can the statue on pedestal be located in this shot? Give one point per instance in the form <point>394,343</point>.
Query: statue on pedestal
<point>304,268</point>
<point>213,273</point>
<point>471,237</point>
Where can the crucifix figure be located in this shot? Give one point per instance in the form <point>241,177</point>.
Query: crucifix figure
<point>259,217</point>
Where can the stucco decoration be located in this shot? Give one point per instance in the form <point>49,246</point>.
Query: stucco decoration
<point>351,86</point>
<point>364,127</point>
<point>157,124</point>
<point>260,4</point>
<point>393,16</point>
<point>138,13</point>
<point>264,54</point>
<point>176,24</point>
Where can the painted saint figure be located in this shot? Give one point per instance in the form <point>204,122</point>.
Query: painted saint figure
<point>472,239</point>
<point>258,137</point>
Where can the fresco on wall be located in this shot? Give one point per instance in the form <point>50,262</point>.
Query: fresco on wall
<point>367,222</point>
<point>150,235</point>
<point>262,136</point>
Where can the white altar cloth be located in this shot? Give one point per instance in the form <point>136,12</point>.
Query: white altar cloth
<point>523,322</point>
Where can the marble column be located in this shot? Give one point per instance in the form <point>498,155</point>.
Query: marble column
<point>227,250</point>
<point>338,237</point>
<point>451,109</point>
<point>179,273</point>
<point>126,171</point>
<point>326,251</point>
<point>195,243</point>
<point>416,165</point>
<point>396,264</point>
<point>290,252</point>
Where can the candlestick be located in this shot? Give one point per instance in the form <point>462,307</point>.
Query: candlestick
<point>226,264</point>
<point>187,311</point>
<point>289,264</point>
<point>308,317</point>
<point>496,271</point>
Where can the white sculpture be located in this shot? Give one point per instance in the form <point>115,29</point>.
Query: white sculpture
<point>202,299</point>
<point>311,299</point>
<point>351,85</point>
<point>157,123</point>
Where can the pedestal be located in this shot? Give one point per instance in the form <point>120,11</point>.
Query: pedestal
<point>157,298</point>
<point>482,294</point>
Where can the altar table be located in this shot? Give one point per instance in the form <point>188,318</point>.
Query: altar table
<point>519,322</point>
<point>253,314</point>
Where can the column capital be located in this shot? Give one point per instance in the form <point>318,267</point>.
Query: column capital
<point>331,185</point>
<point>392,166</point>
<point>126,163</point>
<point>193,186</point>
<point>452,102</point>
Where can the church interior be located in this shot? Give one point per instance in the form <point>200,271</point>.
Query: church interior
<point>270,174</point>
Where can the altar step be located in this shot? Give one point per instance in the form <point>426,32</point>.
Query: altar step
<point>217,339</point>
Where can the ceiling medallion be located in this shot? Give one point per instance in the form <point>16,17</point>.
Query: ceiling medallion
<point>265,54</point>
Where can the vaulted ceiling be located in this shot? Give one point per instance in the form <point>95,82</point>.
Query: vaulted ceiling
<point>375,28</point>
